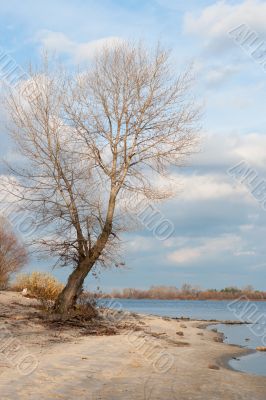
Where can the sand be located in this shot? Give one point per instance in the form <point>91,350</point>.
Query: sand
<point>146,360</point>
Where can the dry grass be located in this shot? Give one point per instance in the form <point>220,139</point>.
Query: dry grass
<point>43,287</point>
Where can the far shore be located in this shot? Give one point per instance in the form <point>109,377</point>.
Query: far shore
<point>188,292</point>
<point>139,357</point>
<point>184,299</point>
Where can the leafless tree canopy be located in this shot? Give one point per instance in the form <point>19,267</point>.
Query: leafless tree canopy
<point>94,139</point>
<point>13,255</point>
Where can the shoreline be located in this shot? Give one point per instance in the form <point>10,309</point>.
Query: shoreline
<point>224,360</point>
<point>131,364</point>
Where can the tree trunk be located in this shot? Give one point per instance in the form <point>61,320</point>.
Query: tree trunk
<point>68,297</point>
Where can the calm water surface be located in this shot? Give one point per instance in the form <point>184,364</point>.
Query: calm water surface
<point>245,336</point>
<point>249,336</point>
<point>209,310</point>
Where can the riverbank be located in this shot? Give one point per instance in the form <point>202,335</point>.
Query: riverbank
<point>145,357</point>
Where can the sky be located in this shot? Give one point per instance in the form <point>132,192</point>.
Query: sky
<point>219,224</point>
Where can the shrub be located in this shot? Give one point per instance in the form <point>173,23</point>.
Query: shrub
<point>43,287</point>
<point>87,305</point>
<point>13,255</point>
<point>4,279</point>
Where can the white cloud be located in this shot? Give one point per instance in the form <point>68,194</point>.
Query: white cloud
<point>252,148</point>
<point>140,244</point>
<point>56,41</point>
<point>184,256</point>
<point>215,21</point>
<point>211,181</point>
<point>219,74</point>
<point>207,187</point>
<point>8,199</point>
<point>207,249</point>
<point>258,267</point>
<point>84,51</point>
<point>245,253</point>
<point>227,149</point>
<point>60,43</point>
<point>7,184</point>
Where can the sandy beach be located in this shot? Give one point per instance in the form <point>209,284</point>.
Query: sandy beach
<point>147,358</point>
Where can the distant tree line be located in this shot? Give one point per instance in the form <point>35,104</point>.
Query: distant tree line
<point>188,292</point>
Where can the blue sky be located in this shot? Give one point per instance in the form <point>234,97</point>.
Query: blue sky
<point>220,228</point>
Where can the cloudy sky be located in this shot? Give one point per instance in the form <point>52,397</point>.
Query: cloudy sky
<point>220,226</point>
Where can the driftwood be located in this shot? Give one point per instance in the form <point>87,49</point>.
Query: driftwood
<point>261,348</point>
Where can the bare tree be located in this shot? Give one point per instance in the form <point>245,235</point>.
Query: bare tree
<point>93,140</point>
<point>13,255</point>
